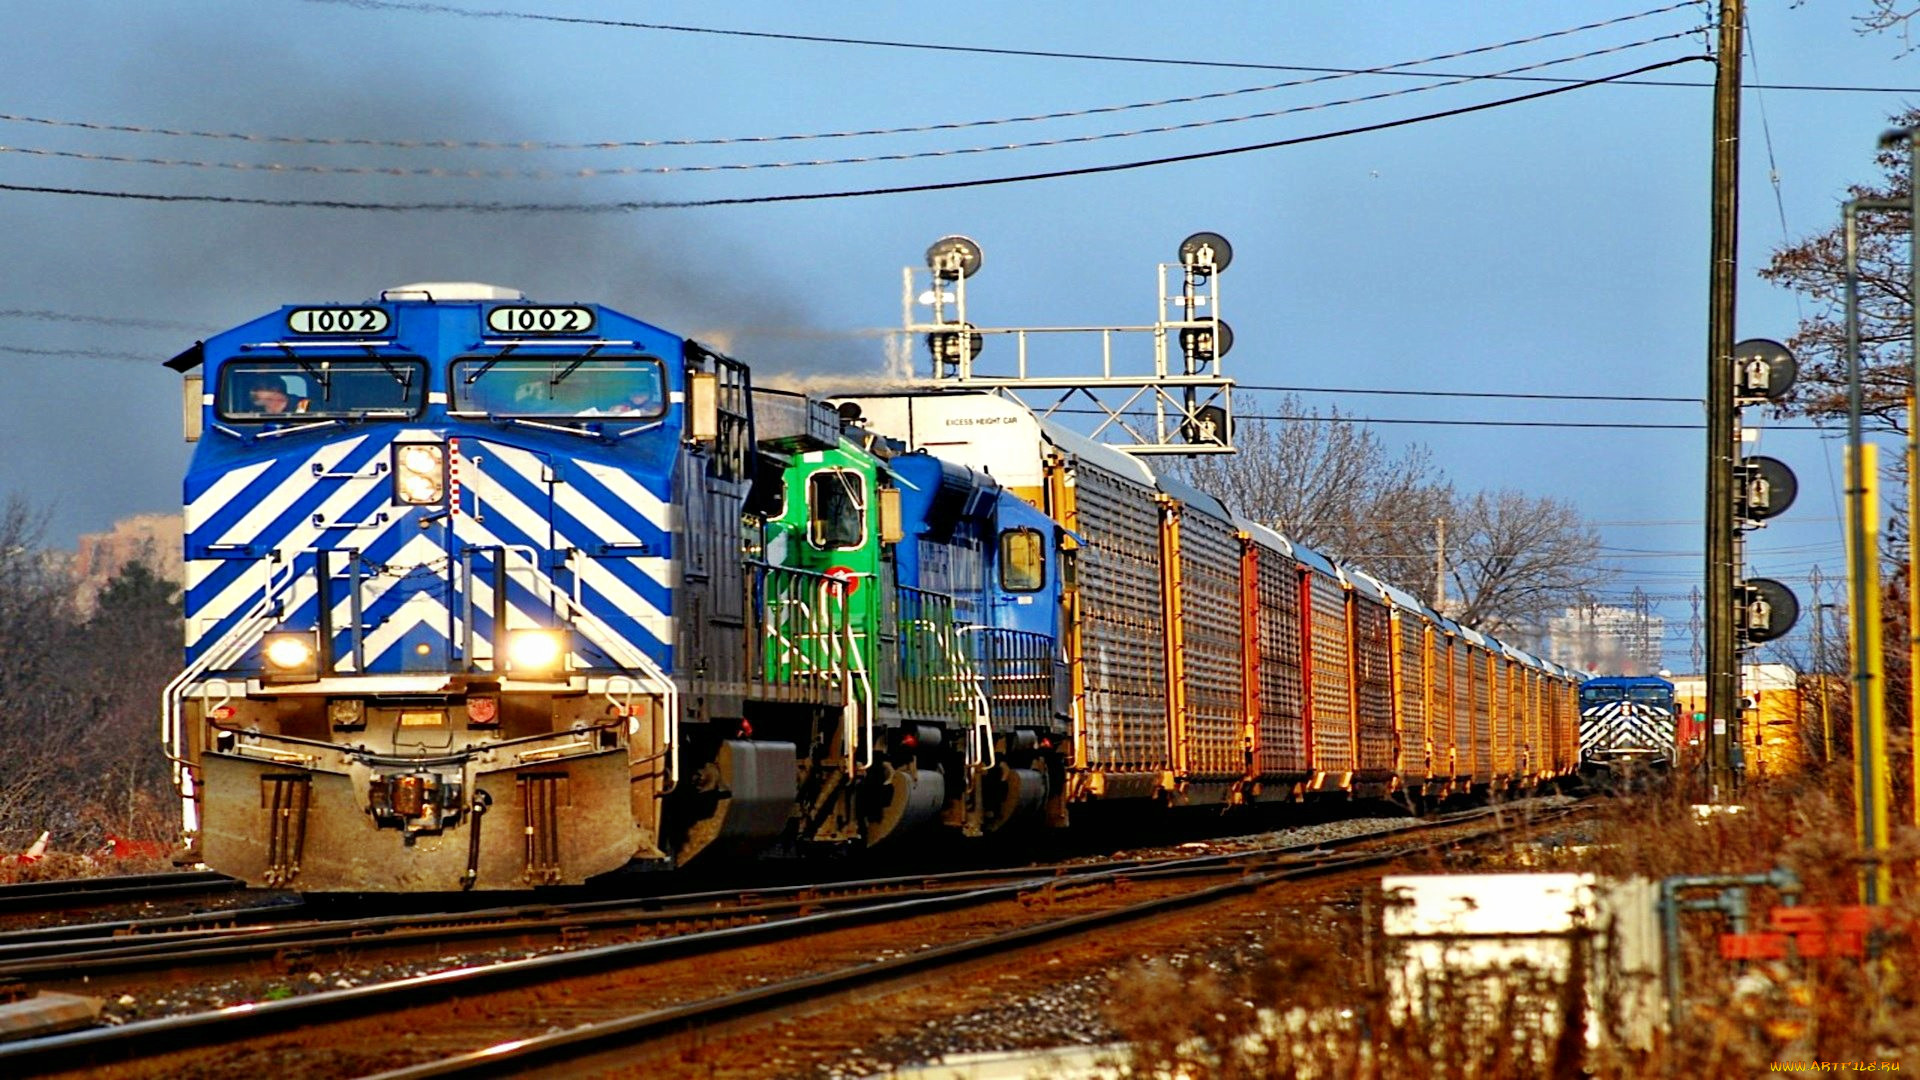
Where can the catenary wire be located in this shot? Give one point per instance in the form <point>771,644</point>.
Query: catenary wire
<point>631,206</point>
<point>444,173</point>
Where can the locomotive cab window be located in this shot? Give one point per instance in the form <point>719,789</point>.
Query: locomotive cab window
<point>1023,561</point>
<point>288,390</point>
<point>625,388</point>
<point>836,510</point>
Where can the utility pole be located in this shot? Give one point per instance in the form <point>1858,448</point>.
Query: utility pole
<point>1440,565</point>
<point>1723,661</point>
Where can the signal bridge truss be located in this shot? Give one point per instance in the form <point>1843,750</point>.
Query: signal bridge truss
<point>1156,389</point>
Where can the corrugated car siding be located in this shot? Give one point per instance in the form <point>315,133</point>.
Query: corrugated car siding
<point>1373,663</point>
<point>1283,740</point>
<point>1410,634</point>
<point>1503,726</point>
<point>1332,694</point>
<point>1481,664</point>
<point>1122,640</point>
<point>1441,720</point>
<point>1210,625</point>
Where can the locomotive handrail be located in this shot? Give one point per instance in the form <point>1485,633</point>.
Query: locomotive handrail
<point>226,649</point>
<point>857,669</point>
<point>980,734</point>
<point>633,660</point>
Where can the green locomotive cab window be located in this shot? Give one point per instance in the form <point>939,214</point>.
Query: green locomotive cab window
<point>836,510</point>
<point>1023,561</point>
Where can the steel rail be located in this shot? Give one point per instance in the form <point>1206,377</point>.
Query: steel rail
<point>47,958</point>
<point>66,892</point>
<point>102,1046</point>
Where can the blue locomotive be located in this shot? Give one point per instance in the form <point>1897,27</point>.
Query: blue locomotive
<point>1627,721</point>
<point>487,594</point>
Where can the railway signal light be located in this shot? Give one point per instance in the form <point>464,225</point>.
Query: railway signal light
<point>954,257</point>
<point>1202,344</point>
<point>1764,489</point>
<point>962,342</point>
<point>1763,370</point>
<point>1205,253</point>
<point>1766,609</point>
<point>1210,425</point>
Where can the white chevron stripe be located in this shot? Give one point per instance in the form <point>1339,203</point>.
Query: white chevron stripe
<point>296,487</point>
<point>209,504</point>
<point>212,500</point>
<point>418,608</point>
<point>624,486</point>
<point>495,500</point>
<point>245,590</point>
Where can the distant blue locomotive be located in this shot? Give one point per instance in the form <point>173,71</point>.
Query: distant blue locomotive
<point>1627,721</point>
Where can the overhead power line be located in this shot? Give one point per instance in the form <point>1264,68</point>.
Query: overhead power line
<point>634,144</point>
<point>442,172</point>
<point>50,315</point>
<point>91,354</point>
<point>416,7</point>
<point>630,206</point>
<point>1312,418</point>
<point>1468,394</point>
<point>1055,54</point>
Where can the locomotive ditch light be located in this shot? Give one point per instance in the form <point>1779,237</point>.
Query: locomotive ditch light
<point>291,653</point>
<point>1763,370</point>
<point>954,257</point>
<point>419,473</point>
<point>536,654</point>
<point>1205,253</point>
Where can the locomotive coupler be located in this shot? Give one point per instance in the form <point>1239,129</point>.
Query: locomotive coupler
<point>414,802</point>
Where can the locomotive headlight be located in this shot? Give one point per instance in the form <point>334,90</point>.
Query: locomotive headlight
<point>289,653</point>
<point>419,473</point>
<point>535,653</point>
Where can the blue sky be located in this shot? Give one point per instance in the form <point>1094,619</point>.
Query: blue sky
<point>1555,246</point>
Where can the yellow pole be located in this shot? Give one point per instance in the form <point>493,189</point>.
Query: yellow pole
<point>1869,688</point>
<point>1913,593</point>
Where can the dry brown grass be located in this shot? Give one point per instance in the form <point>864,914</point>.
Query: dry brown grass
<point>1313,1001</point>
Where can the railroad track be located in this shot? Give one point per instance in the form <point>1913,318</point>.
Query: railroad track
<point>432,1024</point>
<point>67,893</point>
<point>274,941</point>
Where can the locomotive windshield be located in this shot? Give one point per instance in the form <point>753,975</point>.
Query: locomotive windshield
<point>631,387</point>
<point>1651,695</point>
<point>281,390</point>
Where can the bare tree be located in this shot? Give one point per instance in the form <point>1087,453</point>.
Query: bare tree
<point>1515,559</point>
<point>1815,268</point>
<point>1332,485</point>
<point>1884,16</point>
<point>78,754</point>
